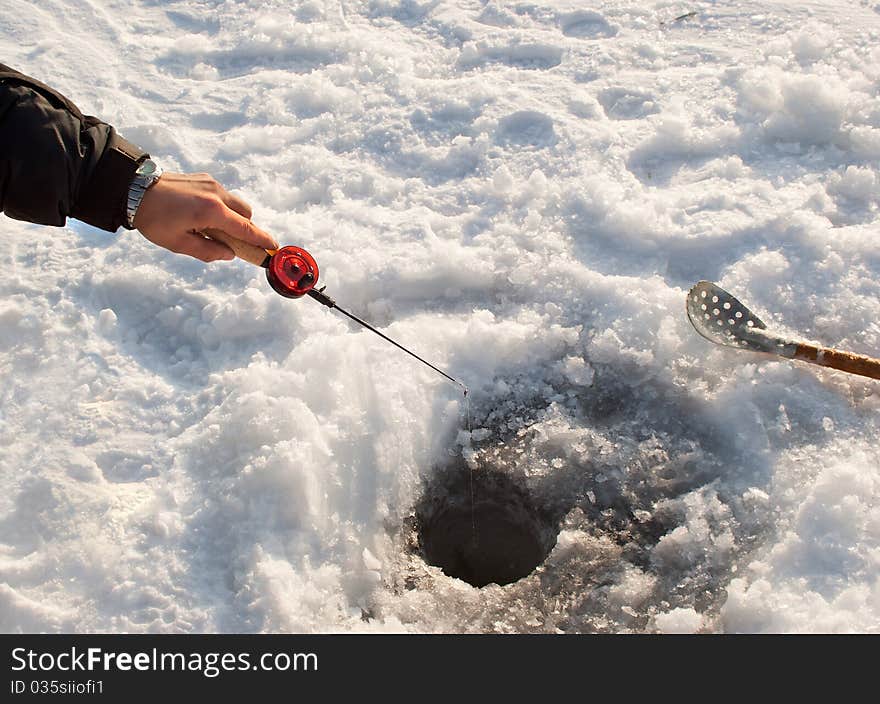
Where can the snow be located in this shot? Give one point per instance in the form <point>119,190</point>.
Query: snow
<point>678,621</point>
<point>522,192</point>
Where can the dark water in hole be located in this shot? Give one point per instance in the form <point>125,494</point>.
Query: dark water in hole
<point>618,468</point>
<point>500,537</point>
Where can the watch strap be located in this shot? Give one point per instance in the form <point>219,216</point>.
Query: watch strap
<point>142,182</point>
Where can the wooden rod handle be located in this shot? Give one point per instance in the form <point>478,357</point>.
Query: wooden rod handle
<point>243,250</point>
<point>836,359</point>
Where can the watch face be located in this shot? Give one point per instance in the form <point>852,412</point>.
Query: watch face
<point>147,168</point>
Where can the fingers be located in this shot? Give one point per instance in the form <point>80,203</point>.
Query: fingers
<point>233,223</point>
<point>237,204</point>
<point>175,211</point>
<point>197,246</point>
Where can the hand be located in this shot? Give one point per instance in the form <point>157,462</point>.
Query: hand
<point>178,207</point>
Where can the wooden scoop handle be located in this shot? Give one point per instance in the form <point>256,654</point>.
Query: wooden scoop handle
<point>836,359</point>
<point>243,250</point>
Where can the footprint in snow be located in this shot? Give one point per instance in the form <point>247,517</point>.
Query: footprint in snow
<point>526,128</point>
<point>586,25</point>
<point>444,122</point>
<point>247,59</point>
<point>624,104</point>
<point>194,22</point>
<point>122,467</point>
<point>520,56</point>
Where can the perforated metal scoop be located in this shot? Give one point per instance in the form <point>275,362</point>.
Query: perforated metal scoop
<point>723,319</point>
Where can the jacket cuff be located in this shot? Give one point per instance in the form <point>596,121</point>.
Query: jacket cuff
<point>102,201</point>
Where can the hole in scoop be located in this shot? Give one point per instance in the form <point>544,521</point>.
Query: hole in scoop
<point>499,538</point>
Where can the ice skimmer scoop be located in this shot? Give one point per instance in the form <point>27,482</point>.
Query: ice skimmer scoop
<point>721,318</point>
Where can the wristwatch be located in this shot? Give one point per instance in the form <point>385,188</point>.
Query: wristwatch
<point>146,175</point>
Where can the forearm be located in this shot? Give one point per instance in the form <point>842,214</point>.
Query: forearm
<point>56,162</point>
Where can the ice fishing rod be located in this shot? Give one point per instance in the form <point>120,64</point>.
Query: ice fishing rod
<point>293,273</point>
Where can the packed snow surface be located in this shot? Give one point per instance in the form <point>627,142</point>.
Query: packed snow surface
<point>523,192</point>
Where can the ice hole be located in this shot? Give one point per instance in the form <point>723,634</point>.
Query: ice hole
<point>499,537</point>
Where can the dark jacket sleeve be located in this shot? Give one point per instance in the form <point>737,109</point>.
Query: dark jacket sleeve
<point>56,162</point>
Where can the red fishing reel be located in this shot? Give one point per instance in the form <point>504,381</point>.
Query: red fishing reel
<point>292,272</point>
